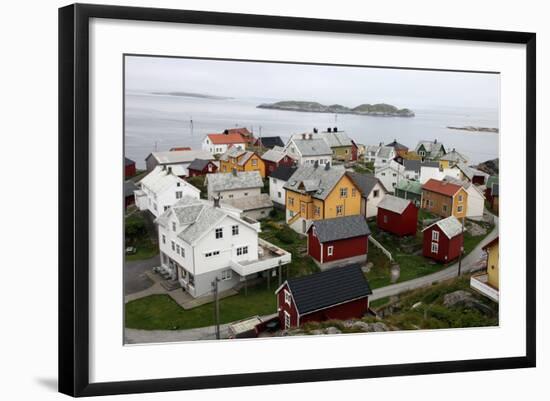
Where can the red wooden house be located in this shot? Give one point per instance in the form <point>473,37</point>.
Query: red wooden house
<point>274,158</point>
<point>129,168</point>
<point>341,293</point>
<point>338,241</point>
<point>443,240</point>
<point>354,150</point>
<point>243,131</point>
<point>201,167</point>
<point>397,216</point>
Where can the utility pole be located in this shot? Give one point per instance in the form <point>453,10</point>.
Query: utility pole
<point>260,129</point>
<point>461,250</point>
<point>191,125</point>
<point>216,307</point>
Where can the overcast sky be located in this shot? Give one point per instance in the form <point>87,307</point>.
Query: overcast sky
<point>349,86</point>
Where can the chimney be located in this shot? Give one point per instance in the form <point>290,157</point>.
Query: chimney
<point>327,166</point>
<point>303,136</point>
<point>315,130</point>
<point>335,129</point>
<point>435,140</point>
<point>217,200</point>
<point>329,129</point>
<point>381,144</point>
<point>316,164</point>
<point>225,132</point>
<point>169,170</point>
<point>310,136</point>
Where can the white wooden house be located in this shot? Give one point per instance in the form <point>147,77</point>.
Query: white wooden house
<point>308,150</point>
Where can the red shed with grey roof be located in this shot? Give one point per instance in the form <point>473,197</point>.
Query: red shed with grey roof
<point>397,216</point>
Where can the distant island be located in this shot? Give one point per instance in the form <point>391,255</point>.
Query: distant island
<point>191,94</point>
<point>380,109</point>
<point>475,129</point>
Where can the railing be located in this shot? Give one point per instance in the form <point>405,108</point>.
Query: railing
<point>479,283</point>
<point>293,219</point>
<point>379,246</point>
<point>259,265</point>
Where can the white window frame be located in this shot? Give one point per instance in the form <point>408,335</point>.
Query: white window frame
<point>287,320</point>
<point>227,274</point>
<point>288,298</point>
<point>435,235</point>
<point>343,192</point>
<point>179,194</point>
<point>173,226</point>
<point>330,250</point>
<point>435,247</point>
<point>459,209</point>
<point>339,210</point>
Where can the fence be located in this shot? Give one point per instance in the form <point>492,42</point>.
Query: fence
<point>379,246</point>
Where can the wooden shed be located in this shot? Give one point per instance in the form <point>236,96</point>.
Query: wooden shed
<point>443,240</point>
<point>397,216</point>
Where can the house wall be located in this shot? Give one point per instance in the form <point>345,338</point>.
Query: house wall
<point>493,265</point>
<point>157,203</point>
<point>351,204</point>
<point>282,306</point>
<point>399,224</point>
<point>218,149</point>
<point>427,173</point>
<point>448,249</point>
<point>276,191</point>
<point>342,153</point>
<point>210,168</point>
<point>457,203</point>
<point>389,176</point>
<point>342,249</point>
<point>373,201</point>
<point>350,310</point>
<point>416,198</point>
<point>476,203</point>
<point>234,194</point>
<point>443,205</point>
<point>130,170</point>
<point>255,163</point>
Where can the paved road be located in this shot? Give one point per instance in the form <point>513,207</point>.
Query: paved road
<point>473,261</point>
<point>135,279</point>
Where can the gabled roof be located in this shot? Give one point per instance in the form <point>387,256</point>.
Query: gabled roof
<point>226,139</point>
<point>240,130</point>
<point>331,287</point>
<point>340,228</point>
<point>441,187</point>
<point>195,218</point>
<point>415,165</point>
<point>397,146</point>
<point>385,151</point>
<point>248,203</point>
<point>471,172</point>
<point>491,243</point>
<point>394,204</point>
<point>283,173</point>
<point>431,147</point>
<point>450,226</point>
<point>128,162</point>
<point>273,155</point>
<point>335,139</point>
<point>312,147</point>
<point>199,164</point>
<point>411,186</point>
<point>180,156</point>
<point>365,182</point>
<point>454,156</point>
<point>179,148</point>
<point>162,179</point>
<point>232,152</point>
<point>318,180</point>
<point>229,181</point>
<point>271,141</point>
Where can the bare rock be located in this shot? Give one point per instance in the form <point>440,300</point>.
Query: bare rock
<point>332,330</point>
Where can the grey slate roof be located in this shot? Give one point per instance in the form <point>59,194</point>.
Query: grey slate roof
<point>454,156</point>
<point>331,287</point>
<point>273,155</point>
<point>340,228</point>
<point>247,203</point>
<point>283,173</point>
<point>230,181</point>
<point>129,188</point>
<point>385,151</point>
<point>365,182</point>
<point>432,147</point>
<point>414,165</point>
<point>397,146</point>
<point>180,156</point>
<point>450,226</point>
<point>335,139</point>
<point>411,186</point>
<point>128,162</point>
<point>394,204</point>
<point>232,152</point>
<point>198,164</point>
<point>312,147</point>
<point>470,172</point>
<point>315,179</point>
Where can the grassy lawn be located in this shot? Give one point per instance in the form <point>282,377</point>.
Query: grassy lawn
<point>363,168</point>
<point>379,302</point>
<point>137,234</point>
<point>160,312</point>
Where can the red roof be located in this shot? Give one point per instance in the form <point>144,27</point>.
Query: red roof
<point>180,148</point>
<point>441,187</point>
<point>220,139</point>
<point>243,131</point>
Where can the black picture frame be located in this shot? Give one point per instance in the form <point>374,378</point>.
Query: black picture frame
<point>74,200</point>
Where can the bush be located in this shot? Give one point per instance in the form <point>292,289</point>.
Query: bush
<point>286,235</point>
<point>135,228</point>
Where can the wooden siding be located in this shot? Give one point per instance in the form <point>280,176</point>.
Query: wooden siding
<point>448,249</point>
<point>342,249</point>
<point>398,224</point>
<point>443,205</point>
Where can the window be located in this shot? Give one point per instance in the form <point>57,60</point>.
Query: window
<point>290,201</point>
<point>303,208</point>
<point>178,184</point>
<point>435,235</point>
<point>254,162</point>
<point>163,239</point>
<point>226,274</point>
<point>445,208</point>
<point>179,194</point>
<point>383,174</point>
<point>182,252</point>
<point>177,249</point>
<point>460,198</point>
<point>385,218</point>
<point>173,246</point>
<point>435,247</point>
<point>339,210</point>
<point>459,209</point>
<point>375,193</point>
<point>330,250</point>
<point>394,174</point>
<point>353,192</point>
<point>288,298</point>
<point>246,194</point>
<point>279,194</point>
<point>317,211</point>
<point>287,320</point>
<point>235,230</point>
<point>166,208</point>
<point>219,233</point>
<point>211,253</point>
<point>243,250</point>
<point>343,192</point>
<point>173,226</point>
<point>230,196</point>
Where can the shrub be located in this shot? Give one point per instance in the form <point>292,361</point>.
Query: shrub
<point>286,235</point>
<point>135,228</point>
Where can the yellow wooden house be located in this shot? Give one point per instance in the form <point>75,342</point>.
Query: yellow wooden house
<point>487,282</point>
<point>236,159</point>
<point>316,192</point>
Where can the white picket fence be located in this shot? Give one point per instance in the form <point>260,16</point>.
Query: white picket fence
<point>379,246</point>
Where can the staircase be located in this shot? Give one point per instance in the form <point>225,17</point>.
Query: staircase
<point>170,285</point>
<point>293,219</point>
